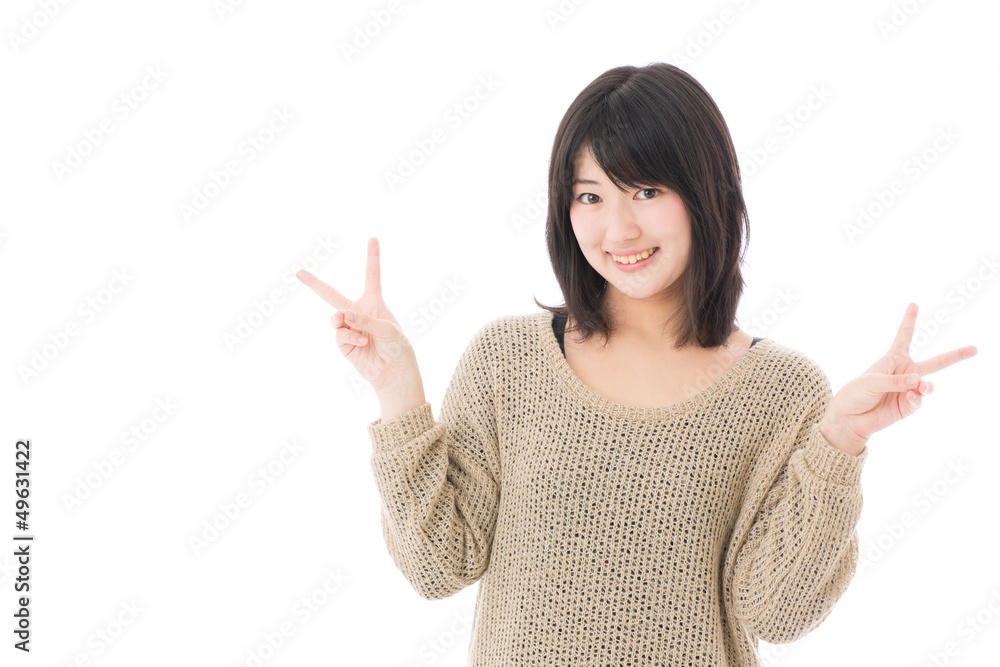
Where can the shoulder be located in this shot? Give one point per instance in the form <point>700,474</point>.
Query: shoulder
<point>498,337</point>
<point>795,376</point>
<point>511,328</point>
<point>497,352</point>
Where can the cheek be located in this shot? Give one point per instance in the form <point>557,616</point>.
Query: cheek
<point>586,232</point>
<point>669,217</point>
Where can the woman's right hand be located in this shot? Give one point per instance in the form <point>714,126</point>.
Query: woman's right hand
<point>373,342</point>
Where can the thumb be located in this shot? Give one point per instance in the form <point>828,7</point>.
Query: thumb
<point>884,383</point>
<point>368,323</point>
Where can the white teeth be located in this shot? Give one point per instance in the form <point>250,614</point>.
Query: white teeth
<point>632,259</point>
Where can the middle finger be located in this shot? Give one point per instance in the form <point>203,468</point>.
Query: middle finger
<point>934,364</point>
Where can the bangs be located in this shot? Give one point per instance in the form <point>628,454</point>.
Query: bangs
<point>628,140</point>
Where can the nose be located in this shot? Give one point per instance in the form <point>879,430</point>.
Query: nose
<point>621,223</point>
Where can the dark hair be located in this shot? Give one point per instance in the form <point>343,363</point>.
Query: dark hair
<point>653,125</point>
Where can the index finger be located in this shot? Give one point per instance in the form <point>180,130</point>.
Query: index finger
<point>327,293</point>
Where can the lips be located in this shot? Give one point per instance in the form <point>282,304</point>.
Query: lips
<point>626,255</point>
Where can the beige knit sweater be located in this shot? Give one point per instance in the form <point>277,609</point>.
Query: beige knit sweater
<point>606,534</point>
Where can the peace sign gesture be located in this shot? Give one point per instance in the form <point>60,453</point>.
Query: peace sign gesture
<point>368,334</point>
<point>890,390</point>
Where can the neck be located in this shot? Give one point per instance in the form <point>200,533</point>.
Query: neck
<point>639,323</point>
<point>644,326</point>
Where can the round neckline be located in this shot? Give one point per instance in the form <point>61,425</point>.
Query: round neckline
<point>606,406</point>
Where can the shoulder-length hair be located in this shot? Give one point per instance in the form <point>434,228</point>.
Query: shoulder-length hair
<point>646,126</point>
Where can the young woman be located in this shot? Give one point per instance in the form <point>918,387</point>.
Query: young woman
<point>632,478</point>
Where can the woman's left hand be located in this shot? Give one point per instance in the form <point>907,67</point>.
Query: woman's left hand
<point>890,390</point>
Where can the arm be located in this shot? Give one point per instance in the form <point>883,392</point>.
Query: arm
<point>439,481</point>
<point>802,549</point>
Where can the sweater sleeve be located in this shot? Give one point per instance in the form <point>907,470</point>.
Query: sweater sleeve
<point>439,482</point>
<point>802,548</point>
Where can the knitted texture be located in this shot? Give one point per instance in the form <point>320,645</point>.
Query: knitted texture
<point>607,534</point>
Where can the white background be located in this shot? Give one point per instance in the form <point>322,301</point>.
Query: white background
<point>461,245</point>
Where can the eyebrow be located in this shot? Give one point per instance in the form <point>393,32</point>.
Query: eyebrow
<point>584,181</point>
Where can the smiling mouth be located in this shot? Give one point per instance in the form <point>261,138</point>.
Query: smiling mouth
<point>633,259</point>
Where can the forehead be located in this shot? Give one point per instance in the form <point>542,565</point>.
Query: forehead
<point>584,157</point>
<point>585,168</point>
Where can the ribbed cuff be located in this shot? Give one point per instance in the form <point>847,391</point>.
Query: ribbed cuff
<point>832,464</point>
<point>402,428</point>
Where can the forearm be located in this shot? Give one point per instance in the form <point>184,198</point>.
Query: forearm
<point>402,399</point>
<point>801,552</point>
<point>439,478</point>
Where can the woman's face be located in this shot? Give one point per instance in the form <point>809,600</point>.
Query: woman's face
<point>607,220</point>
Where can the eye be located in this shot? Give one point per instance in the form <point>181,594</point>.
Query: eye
<point>587,194</point>
<point>654,192</point>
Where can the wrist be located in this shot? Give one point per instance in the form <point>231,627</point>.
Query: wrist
<point>395,403</point>
<point>840,437</point>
